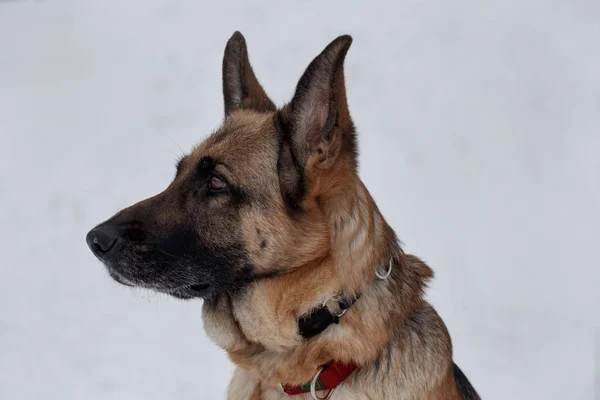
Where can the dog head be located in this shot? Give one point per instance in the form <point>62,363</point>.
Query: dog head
<point>245,203</point>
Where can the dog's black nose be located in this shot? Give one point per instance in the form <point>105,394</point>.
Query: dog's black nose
<point>102,239</point>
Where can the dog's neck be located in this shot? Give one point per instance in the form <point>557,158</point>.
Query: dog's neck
<point>361,240</point>
<point>259,327</point>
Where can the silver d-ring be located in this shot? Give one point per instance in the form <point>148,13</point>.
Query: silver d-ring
<point>313,389</point>
<point>281,389</point>
<point>389,271</point>
<point>341,313</point>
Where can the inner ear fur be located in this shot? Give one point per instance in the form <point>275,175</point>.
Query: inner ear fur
<point>319,118</point>
<point>316,127</point>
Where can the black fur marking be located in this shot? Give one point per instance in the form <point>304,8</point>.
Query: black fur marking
<point>240,197</point>
<point>180,164</point>
<point>376,366</point>
<point>263,244</point>
<point>291,170</point>
<point>390,350</point>
<point>463,386</point>
<point>204,168</point>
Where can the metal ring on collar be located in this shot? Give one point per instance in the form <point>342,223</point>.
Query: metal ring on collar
<point>389,271</point>
<point>313,389</point>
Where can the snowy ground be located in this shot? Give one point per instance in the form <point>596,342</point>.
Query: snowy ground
<point>479,127</point>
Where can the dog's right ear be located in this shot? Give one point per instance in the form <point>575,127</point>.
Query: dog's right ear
<point>316,126</point>
<point>240,86</point>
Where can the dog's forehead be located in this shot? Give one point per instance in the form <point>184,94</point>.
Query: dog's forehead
<point>246,140</point>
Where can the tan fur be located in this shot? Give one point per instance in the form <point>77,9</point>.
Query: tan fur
<point>305,231</point>
<point>246,145</point>
<point>337,250</point>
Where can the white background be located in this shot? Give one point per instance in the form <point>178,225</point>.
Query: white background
<point>479,128</point>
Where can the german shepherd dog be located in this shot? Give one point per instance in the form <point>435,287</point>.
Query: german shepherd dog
<point>304,283</point>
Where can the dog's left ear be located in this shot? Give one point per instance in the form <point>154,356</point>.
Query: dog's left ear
<point>240,86</point>
<point>317,119</point>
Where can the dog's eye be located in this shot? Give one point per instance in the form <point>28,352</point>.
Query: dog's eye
<point>215,183</point>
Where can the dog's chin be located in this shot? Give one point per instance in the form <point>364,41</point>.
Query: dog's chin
<point>202,291</point>
<point>119,278</point>
<point>185,292</point>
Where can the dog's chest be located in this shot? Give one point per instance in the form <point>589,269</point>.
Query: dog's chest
<point>261,322</point>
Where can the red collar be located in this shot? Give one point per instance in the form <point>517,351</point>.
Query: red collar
<point>329,378</point>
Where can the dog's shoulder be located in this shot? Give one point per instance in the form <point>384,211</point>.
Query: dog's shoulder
<point>463,386</point>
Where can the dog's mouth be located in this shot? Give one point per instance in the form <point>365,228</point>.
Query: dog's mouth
<point>197,290</point>
<point>200,290</point>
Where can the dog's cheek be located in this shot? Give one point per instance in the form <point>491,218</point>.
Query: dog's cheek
<point>261,230</point>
